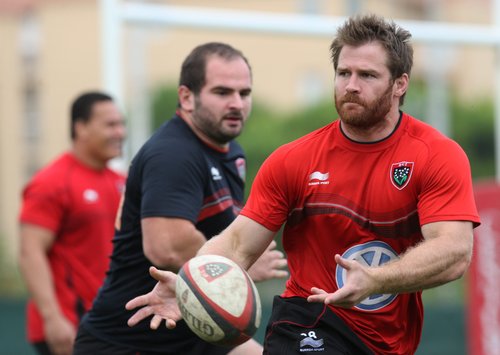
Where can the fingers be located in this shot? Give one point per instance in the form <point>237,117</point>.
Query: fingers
<point>279,274</point>
<point>277,263</point>
<point>139,301</point>
<point>139,316</point>
<point>160,275</point>
<point>272,245</point>
<point>155,322</point>
<point>170,323</point>
<point>318,295</point>
<point>346,264</point>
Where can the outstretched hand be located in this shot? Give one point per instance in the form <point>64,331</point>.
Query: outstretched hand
<point>160,302</point>
<point>358,286</point>
<point>269,265</point>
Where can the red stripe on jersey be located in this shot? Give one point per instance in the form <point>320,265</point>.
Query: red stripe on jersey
<point>216,203</point>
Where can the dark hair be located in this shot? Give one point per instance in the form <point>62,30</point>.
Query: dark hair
<point>194,66</point>
<point>360,30</point>
<point>81,109</point>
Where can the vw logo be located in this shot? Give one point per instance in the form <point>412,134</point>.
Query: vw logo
<point>370,254</point>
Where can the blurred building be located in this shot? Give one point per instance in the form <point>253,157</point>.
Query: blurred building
<point>51,51</point>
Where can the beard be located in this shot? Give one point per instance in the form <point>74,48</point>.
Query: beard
<point>213,127</point>
<point>367,114</point>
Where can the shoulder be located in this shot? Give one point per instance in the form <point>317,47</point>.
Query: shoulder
<point>52,179</point>
<point>56,171</point>
<point>171,141</point>
<point>440,154</point>
<point>435,141</point>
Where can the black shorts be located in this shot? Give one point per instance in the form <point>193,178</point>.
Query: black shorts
<point>86,344</point>
<point>299,327</point>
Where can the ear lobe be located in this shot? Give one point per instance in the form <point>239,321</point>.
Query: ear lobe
<point>80,130</point>
<point>401,84</point>
<point>186,98</point>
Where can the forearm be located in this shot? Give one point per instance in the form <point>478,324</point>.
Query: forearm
<point>431,263</point>
<point>243,241</point>
<point>171,256</point>
<point>37,274</point>
<point>169,242</point>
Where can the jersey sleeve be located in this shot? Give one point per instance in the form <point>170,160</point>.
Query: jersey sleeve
<point>268,202</point>
<point>447,193</point>
<point>43,204</point>
<point>173,183</point>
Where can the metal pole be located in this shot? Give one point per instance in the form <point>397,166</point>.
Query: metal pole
<point>111,63</point>
<point>111,48</point>
<point>496,14</point>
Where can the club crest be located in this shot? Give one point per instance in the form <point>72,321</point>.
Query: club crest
<point>213,270</point>
<point>241,167</point>
<point>401,174</point>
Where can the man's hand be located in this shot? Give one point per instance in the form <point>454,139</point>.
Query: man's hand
<point>60,334</point>
<point>269,265</point>
<point>359,285</point>
<point>160,302</point>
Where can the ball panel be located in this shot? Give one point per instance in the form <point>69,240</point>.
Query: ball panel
<point>226,300</point>
<point>222,282</point>
<point>195,316</point>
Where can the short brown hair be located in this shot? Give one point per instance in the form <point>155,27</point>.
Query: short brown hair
<point>360,30</point>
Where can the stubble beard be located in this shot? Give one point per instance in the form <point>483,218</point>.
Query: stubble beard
<point>212,126</point>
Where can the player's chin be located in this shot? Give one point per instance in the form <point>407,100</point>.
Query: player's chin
<point>113,151</point>
<point>231,133</point>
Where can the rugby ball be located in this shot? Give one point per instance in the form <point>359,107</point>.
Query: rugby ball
<point>218,300</point>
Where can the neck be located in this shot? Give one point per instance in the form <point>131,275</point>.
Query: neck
<point>87,159</point>
<point>375,133</point>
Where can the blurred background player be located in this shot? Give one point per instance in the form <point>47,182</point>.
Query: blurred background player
<point>67,223</point>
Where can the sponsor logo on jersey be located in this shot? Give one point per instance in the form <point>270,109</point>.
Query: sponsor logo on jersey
<point>311,343</point>
<point>319,178</point>
<point>401,174</point>
<point>241,167</point>
<point>90,196</point>
<point>215,173</point>
<point>371,254</point>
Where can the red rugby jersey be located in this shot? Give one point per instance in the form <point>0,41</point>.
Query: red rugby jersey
<point>79,205</point>
<point>364,201</point>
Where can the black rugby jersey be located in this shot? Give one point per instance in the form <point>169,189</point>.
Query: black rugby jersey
<point>174,174</point>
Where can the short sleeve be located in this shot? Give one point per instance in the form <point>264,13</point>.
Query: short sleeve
<point>172,184</point>
<point>447,192</point>
<point>43,204</point>
<point>268,202</point>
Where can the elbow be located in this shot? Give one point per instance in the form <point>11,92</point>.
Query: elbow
<point>461,265</point>
<point>163,259</point>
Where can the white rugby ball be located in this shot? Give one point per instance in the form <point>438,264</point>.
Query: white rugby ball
<point>218,300</point>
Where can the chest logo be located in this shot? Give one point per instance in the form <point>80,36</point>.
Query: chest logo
<point>90,196</point>
<point>215,173</point>
<point>401,174</point>
<point>371,254</point>
<point>319,178</point>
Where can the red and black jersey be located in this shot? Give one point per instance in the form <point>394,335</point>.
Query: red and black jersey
<point>78,204</point>
<point>364,201</point>
<point>174,174</point>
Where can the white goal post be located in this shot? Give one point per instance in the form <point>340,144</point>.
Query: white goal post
<point>115,14</point>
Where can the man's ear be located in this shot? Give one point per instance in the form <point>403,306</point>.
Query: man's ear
<point>81,131</point>
<point>186,98</point>
<point>401,85</point>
